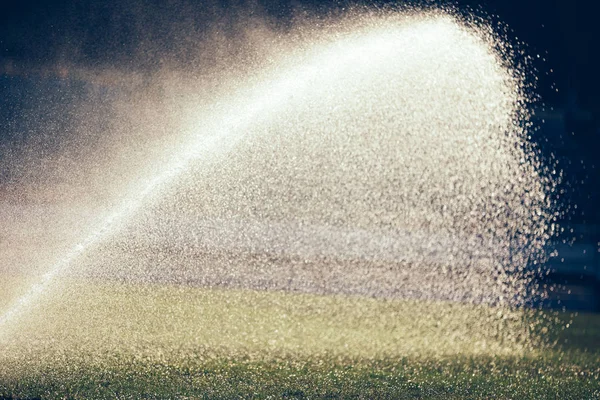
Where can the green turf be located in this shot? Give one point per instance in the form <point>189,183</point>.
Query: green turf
<point>101,341</point>
<point>563,377</point>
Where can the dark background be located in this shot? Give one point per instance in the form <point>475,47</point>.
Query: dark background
<point>564,32</point>
<point>46,38</point>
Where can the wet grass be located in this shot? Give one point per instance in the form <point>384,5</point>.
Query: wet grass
<point>565,377</point>
<point>110,342</point>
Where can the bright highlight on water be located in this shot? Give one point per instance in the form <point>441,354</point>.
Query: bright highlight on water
<point>383,156</point>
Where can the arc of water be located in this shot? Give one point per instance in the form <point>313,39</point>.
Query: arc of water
<point>264,100</point>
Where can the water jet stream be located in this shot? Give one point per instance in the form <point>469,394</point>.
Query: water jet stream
<point>325,66</point>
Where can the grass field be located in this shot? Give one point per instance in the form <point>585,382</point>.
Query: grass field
<point>96,340</point>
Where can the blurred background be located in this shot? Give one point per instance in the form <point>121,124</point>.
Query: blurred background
<point>49,46</point>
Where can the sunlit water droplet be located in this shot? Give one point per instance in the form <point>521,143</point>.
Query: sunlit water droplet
<point>384,157</point>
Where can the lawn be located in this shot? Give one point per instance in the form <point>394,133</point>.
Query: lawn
<point>87,339</point>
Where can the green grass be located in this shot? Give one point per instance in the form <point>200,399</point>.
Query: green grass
<point>89,340</point>
<point>325,378</point>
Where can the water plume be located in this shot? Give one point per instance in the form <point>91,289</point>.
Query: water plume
<point>383,156</point>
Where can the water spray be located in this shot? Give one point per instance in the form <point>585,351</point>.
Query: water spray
<point>451,204</point>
